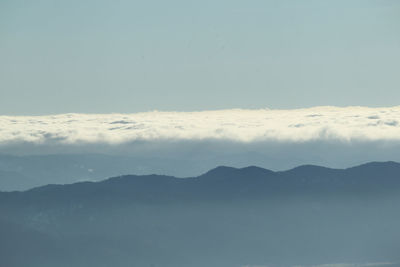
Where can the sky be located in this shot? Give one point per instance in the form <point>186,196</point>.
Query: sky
<point>94,56</point>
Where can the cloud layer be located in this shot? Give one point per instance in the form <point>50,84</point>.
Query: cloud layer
<point>297,125</point>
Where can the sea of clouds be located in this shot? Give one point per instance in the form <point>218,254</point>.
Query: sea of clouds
<point>297,125</point>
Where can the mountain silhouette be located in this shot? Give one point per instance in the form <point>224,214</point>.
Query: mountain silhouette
<point>307,215</point>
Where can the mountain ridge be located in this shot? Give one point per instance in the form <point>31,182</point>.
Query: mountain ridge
<point>225,217</point>
<point>225,183</point>
<point>227,170</point>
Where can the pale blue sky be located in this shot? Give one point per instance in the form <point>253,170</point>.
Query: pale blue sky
<point>99,56</point>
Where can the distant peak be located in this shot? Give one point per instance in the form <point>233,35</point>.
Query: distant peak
<point>255,169</point>
<point>377,164</point>
<point>309,167</point>
<point>250,170</point>
<point>221,170</point>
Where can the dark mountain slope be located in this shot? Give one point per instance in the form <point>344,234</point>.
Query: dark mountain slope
<point>225,217</point>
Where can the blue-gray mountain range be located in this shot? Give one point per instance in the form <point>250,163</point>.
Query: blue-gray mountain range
<point>308,215</point>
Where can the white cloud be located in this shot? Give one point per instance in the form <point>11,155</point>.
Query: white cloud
<point>297,125</point>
